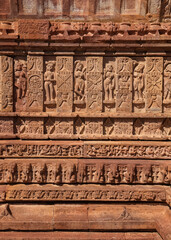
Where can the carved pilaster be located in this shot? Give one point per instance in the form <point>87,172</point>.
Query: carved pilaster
<point>6,84</point>
<point>94,83</point>
<point>35,83</point>
<point>154,81</point>
<point>64,76</point>
<point>124,84</point>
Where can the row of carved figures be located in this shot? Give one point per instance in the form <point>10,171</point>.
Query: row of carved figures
<point>84,173</point>
<point>124,84</point>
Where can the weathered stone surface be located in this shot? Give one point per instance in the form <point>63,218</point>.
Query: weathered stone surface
<point>85,119</point>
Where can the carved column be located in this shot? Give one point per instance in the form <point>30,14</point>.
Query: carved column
<point>35,83</point>
<point>64,77</point>
<point>124,84</point>
<point>154,82</point>
<point>6,84</point>
<point>94,83</point>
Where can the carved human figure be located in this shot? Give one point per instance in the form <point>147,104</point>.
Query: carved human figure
<point>167,75</point>
<point>49,78</point>
<point>168,8</point>
<point>109,83</point>
<point>80,76</point>
<point>21,79</point>
<point>139,82</point>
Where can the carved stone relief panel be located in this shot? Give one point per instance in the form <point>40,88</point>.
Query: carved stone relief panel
<point>64,77</point>
<point>167,86</point>
<point>6,126</point>
<point>35,83</point>
<point>29,127</point>
<point>28,7</point>
<point>154,82</point>
<point>123,127</point>
<point>139,85</point>
<point>124,84</point>
<point>6,84</point>
<point>50,83</point>
<point>80,85</point>
<point>59,127</point>
<point>94,83</point>
<point>20,84</point>
<point>93,127</point>
<point>109,85</point>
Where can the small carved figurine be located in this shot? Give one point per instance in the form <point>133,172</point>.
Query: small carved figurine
<point>139,83</point>
<point>49,83</point>
<point>80,76</point>
<point>21,79</point>
<point>167,92</point>
<point>109,84</point>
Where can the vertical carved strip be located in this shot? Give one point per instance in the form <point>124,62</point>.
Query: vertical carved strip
<point>124,84</point>
<point>154,80</point>
<point>94,83</point>
<point>64,76</point>
<point>35,83</point>
<point>6,84</point>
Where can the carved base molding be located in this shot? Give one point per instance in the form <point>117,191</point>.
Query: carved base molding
<point>78,235</point>
<point>78,171</point>
<point>114,220</point>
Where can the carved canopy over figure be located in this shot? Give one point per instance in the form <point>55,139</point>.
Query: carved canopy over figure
<point>21,79</point>
<point>109,83</point>
<point>80,76</point>
<point>49,80</point>
<point>139,82</point>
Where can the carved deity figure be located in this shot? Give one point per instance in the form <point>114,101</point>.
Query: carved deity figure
<point>109,83</point>
<point>80,76</point>
<point>21,79</point>
<point>139,82</point>
<point>49,78</point>
<point>167,75</point>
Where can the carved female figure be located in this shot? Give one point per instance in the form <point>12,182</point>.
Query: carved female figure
<point>21,79</point>
<point>49,79</point>
<point>168,8</point>
<point>167,75</point>
<point>80,76</point>
<point>109,83</point>
<point>139,82</point>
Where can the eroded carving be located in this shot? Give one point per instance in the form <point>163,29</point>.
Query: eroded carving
<point>49,81</point>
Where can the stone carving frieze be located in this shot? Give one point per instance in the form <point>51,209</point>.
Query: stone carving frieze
<point>85,171</point>
<point>87,149</point>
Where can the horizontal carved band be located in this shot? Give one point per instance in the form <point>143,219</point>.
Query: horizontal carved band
<point>84,32</point>
<point>87,149</point>
<point>85,171</point>
<point>86,193</point>
<point>87,84</point>
<point>85,128</point>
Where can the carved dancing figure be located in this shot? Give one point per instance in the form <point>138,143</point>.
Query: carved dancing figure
<point>139,82</point>
<point>21,79</point>
<point>49,79</point>
<point>80,76</point>
<point>109,83</point>
<point>167,95</point>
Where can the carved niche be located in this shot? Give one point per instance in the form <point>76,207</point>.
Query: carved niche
<point>20,85</point>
